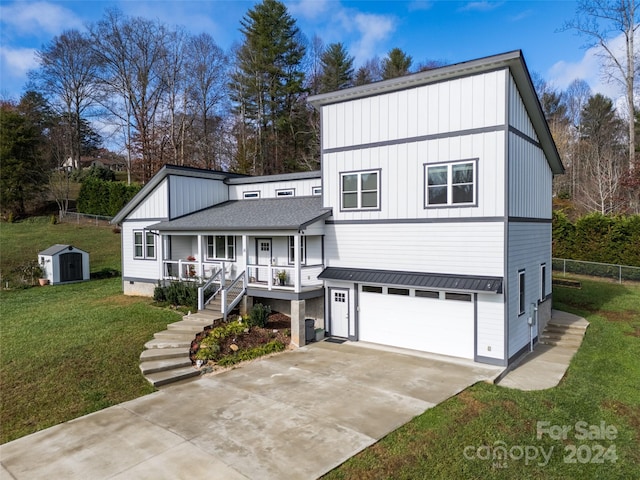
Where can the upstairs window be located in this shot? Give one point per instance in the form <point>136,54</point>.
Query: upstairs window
<point>286,192</point>
<point>250,194</point>
<point>292,250</point>
<point>221,247</point>
<point>360,190</point>
<point>450,184</point>
<point>521,293</point>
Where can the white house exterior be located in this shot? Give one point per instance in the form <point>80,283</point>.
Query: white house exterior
<point>428,227</point>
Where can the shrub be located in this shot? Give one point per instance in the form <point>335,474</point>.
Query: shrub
<point>259,315</point>
<point>99,197</point>
<point>178,293</point>
<point>251,353</point>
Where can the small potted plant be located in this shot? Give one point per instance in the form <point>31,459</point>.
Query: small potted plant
<point>191,270</point>
<point>282,277</point>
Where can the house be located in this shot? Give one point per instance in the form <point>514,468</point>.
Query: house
<point>428,227</point>
<point>64,264</point>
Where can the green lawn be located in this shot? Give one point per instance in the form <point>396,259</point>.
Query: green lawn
<point>20,242</point>
<point>457,438</point>
<point>68,350</point>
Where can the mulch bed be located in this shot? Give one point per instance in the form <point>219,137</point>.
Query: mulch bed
<point>278,328</point>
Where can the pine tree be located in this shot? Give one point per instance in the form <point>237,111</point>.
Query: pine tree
<point>267,86</point>
<point>337,68</point>
<point>397,64</point>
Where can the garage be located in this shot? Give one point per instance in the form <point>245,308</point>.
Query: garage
<point>425,320</point>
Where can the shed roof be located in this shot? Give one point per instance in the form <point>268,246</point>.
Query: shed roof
<point>436,281</point>
<point>57,248</point>
<point>260,214</point>
<point>514,61</point>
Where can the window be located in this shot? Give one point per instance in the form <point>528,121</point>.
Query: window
<point>251,194</point>
<point>427,294</point>
<point>303,248</point>
<point>450,184</point>
<point>398,291</point>
<point>521,292</point>
<point>371,289</point>
<point>316,191</point>
<point>339,297</point>
<point>543,282</point>
<point>462,297</point>
<point>360,190</point>
<point>144,244</point>
<point>221,247</point>
<point>286,192</point>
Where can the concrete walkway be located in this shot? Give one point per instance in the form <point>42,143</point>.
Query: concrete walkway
<point>547,364</point>
<point>295,415</point>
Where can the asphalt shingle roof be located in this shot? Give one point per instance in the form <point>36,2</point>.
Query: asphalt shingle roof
<point>57,248</point>
<point>435,281</point>
<point>259,214</point>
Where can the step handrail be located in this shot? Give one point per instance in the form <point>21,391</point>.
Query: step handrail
<point>226,308</point>
<point>201,300</point>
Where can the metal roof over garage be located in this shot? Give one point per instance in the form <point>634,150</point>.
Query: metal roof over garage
<point>434,281</point>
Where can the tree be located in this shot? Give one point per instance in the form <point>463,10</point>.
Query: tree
<point>131,53</point>
<point>368,73</point>
<point>67,75</point>
<point>337,68</point>
<point>23,166</point>
<point>396,64</point>
<point>601,21</point>
<point>267,87</point>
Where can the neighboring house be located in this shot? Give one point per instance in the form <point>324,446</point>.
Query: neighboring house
<point>428,228</point>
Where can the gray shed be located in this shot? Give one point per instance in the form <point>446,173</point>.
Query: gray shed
<point>64,264</point>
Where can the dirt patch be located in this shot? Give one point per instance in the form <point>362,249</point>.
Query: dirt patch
<point>472,406</point>
<point>626,316</point>
<point>277,328</point>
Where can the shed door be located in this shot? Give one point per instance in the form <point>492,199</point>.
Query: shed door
<point>70,267</point>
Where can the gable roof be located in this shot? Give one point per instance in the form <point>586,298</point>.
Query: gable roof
<point>260,214</point>
<point>57,248</point>
<point>436,281</point>
<point>514,61</point>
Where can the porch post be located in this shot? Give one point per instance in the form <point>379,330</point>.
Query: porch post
<point>161,256</point>
<point>298,312</point>
<point>200,264</point>
<point>296,262</point>
<point>245,256</point>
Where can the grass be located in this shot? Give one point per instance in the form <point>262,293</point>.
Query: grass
<point>68,350</point>
<point>20,242</point>
<point>601,385</point>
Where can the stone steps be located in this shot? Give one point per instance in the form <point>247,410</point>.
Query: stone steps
<point>166,357</point>
<point>559,333</point>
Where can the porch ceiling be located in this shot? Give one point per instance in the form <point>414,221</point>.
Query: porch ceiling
<point>438,281</point>
<point>247,215</point>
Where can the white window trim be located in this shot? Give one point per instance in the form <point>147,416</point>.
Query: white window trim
<point>316,190</point>
<point>359,191</point>
<point>252,194</point>
<point>450,165</point>
<point>303,250</point>
<point>226,247</point>
<point>145,235</point>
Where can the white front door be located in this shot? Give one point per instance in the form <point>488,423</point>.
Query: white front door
<point>339,313</point>
<point>264,257</point>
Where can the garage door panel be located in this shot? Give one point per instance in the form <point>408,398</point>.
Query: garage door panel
<point>426,324</point>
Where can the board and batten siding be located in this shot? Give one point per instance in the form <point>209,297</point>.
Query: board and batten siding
<point>476,101</point>
<point>490,326</point>
<point>454,248</point>
<point>530,180</point>
<point>402,176</point>
<point>190,194</point>
<point>302,188</point>
<point>155,205</point>
<point>518,115</point>
<point>529,246</point>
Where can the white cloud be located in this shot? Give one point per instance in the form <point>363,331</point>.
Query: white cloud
<point>590,69</point>
<point>482,6</point>
<point>39,17</point>
<point>417,5</point>
<point>309,9</point>
<point>373,30</point>
<point>16,62</point>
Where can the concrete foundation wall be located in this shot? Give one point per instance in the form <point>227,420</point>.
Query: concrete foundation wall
<point>137,288</point>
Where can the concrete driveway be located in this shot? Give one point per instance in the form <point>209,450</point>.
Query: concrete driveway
<point>296,415</point>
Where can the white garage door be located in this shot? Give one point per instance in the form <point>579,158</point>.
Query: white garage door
<point>434,325</point>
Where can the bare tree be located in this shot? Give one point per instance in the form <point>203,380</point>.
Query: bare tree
<point>131,53</point>
<point>601,21</point>
<point>67,75</point>
<point>600,186</point>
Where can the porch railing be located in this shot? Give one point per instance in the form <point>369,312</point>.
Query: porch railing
<point>232,294</point>
<point>218,278</point>
<point>190,270</point>
<point>283,276</point>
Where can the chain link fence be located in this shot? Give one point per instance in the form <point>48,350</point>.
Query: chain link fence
<point>76,217</point>
<point>595,269</point>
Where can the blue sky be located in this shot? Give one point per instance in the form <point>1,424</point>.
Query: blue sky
<point>449,31</point>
